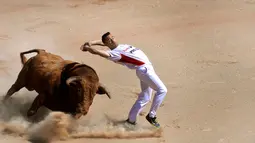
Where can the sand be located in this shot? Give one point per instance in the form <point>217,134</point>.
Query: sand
<point>203,51</point>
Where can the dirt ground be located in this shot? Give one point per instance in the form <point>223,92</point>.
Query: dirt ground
<point>203,50</point>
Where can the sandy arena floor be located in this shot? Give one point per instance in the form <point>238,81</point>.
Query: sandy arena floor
<point>203,50</point>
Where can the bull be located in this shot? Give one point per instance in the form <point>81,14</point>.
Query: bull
<point>62,85</point>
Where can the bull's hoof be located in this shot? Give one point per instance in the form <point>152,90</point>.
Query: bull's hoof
<point>5,99</point>
<point>30,113</point>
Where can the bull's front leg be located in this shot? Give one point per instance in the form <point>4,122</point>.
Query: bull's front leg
<point>14,88</point>
<point>37,103</point>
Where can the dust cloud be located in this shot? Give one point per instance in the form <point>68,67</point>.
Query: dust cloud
<point>47,126</point>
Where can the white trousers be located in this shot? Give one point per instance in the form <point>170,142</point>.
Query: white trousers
<point>149,81</point>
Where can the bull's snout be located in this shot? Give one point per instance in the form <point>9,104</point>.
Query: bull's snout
<point>77,116</point>
<point>85,112</point>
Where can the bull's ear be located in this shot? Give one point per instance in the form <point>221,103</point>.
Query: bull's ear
<point>73,80</point>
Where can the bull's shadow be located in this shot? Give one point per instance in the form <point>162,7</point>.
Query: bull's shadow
<point>17,107</point>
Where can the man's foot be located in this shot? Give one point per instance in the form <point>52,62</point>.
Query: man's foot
<point>131,123</point>
<point>153,121</point>
<point>129,126</point>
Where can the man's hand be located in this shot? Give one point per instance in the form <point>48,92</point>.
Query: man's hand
<point>89,44</point>
<point>85,46</point>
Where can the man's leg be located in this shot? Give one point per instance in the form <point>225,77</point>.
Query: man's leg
<point>158,98</point>
<point>150,78</point>
<point>143,98</point>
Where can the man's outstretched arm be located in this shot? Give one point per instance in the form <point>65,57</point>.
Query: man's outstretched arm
<point>101,53</point>
<point>91,43</point>
<point>95,42</point>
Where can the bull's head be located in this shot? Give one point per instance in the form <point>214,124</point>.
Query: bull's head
<point>78,80</point>
<point>80,93</point>
<point>77,83</point>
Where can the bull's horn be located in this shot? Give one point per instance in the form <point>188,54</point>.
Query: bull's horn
<point>72,79</point>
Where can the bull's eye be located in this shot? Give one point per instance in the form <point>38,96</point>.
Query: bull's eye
<point>79,90</point>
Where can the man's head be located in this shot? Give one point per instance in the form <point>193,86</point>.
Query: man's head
<point>109,40</point>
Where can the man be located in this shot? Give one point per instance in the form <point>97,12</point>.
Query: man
<point>133,58</point>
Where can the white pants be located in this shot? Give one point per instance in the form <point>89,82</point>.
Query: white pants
<point>148,80</point>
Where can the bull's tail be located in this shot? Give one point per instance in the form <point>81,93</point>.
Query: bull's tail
<point>102,90</point>
<point>24,59</point>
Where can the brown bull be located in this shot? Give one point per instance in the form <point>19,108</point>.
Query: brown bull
<point>62,85</point>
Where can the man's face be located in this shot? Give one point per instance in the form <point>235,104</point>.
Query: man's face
<point>110,41</point>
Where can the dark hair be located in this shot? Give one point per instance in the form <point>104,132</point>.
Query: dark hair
<point>104,36</point>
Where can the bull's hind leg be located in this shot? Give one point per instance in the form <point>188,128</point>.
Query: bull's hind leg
<point>38,102</point>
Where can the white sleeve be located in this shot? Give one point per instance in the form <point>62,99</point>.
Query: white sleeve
<point>114,56</point>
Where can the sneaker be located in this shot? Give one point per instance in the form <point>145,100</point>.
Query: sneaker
<point>153,121</point>
<point>129,122</point>
<point>129,126</point>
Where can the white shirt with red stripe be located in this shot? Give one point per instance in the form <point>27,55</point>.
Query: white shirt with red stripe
<point>129,56</point>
